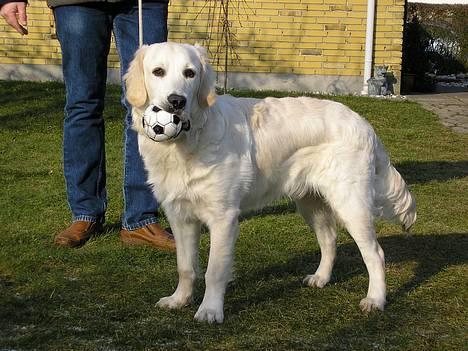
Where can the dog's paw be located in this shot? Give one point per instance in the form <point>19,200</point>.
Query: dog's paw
<point>315,280</point>
<point>368,304</point>
<point>210,315</point>
<point>172,302</point>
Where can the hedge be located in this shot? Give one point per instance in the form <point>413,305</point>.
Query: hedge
<point>435,39</point>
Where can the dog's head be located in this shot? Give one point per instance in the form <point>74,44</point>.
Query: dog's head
<point>175,77</point>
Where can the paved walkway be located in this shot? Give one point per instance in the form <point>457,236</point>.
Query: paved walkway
<point>452,108</point>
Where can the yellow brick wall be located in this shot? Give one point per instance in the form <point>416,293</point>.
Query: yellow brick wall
<point>320,37</point>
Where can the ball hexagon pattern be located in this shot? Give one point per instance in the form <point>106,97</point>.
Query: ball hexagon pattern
<point>160,125</point>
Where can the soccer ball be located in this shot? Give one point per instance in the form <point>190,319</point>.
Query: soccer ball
<point>160,125</point>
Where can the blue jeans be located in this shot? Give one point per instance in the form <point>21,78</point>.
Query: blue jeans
<point>84,32</point>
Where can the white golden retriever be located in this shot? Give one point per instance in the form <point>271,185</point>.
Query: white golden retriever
<point>242,153</point>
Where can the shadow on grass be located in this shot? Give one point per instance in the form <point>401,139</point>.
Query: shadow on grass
<point>424,172</point>
<point>63,308</point>
<point>37,103</point>
<point>26,104</point>
<point>21,92</point>
<point>432,253</point>
<point>274,209</point>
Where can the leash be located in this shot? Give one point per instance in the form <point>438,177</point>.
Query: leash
<point>140,24</point>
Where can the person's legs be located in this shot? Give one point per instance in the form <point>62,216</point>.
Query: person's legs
<point>84,34</point>
<point>140,205</point>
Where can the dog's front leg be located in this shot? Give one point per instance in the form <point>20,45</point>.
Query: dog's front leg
<point>223,234</point>
<point>187,236</point>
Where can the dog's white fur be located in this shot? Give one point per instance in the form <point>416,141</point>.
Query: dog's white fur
<point>242,153</point>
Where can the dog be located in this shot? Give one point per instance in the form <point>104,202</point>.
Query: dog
<point>243,153</point>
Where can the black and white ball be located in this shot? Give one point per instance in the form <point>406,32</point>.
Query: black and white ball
<point>160,125</point>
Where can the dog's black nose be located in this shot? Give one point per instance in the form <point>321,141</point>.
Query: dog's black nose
<point>177,101</point>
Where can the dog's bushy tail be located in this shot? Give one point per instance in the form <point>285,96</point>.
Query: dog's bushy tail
<point>393,199</point>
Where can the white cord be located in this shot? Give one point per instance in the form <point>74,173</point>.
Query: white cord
<point>140,24</point>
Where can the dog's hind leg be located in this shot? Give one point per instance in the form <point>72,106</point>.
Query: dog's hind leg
<point>320,218</point>
<point>353,207</point>
<point>187,236</point>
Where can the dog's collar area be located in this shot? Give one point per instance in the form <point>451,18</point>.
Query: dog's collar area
<point>186,125</point>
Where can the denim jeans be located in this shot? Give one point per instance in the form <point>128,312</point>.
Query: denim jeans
<point>84,32</point>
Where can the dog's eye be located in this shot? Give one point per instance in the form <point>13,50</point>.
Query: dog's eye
<point>189,73</point>
<point>159,72</point>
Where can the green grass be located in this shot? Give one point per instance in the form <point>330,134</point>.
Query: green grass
<point>103,296</point>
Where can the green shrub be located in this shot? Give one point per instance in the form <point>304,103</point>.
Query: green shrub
<point>435,39</point>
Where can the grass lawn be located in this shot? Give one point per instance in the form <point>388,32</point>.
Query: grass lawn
<point>103,295</point>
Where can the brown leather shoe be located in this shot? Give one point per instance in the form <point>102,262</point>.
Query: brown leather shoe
<point>152,235</point>
<point>77,234</point>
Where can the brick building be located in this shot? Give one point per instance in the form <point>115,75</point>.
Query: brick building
<point>305,45</point>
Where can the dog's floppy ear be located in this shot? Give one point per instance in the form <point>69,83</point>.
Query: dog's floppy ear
<point>135,80</point>
<point>206,91</point>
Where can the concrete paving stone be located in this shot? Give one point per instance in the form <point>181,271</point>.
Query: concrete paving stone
<point>459,129</point>
<point>452,108</point>
<point>452,119</point>
<point>448,125</point>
